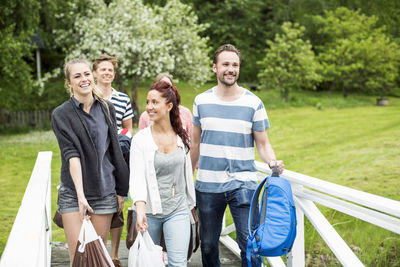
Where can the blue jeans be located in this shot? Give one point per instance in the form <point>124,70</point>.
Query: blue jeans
<point>211,208</point>
<point>176,228</point>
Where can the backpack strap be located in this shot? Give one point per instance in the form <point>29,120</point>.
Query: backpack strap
<point>254,202</point>
<point>251,242</point>
<point>263,208</point>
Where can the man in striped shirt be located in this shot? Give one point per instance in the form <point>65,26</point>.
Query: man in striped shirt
<point>228,120</point>
<point>104,69</point>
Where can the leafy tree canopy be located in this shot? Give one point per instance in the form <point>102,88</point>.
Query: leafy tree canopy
<point>289,62</point>
<point>146,40</point>
<point>355,53</point>
<point>18,21</point>
<point>243,23</point>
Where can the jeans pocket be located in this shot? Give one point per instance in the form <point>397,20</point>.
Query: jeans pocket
<point>242,196</point>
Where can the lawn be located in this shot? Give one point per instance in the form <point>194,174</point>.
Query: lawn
<point>350,141</point>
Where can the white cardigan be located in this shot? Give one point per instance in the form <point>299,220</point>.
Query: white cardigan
<point>143,184</point>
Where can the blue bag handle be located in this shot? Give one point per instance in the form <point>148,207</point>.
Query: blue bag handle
<point>275,171</point>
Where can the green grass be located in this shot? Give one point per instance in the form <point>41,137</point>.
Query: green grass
<point>18,154</point>
<point>355,147</point>
<point>349,141</point>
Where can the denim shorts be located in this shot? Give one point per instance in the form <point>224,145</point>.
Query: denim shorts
<point>68,202</point>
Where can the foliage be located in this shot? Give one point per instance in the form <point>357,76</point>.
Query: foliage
<point>243,23</point>
<point>145,40</point>
<point>357,56</point>
<point>18,22</point>
<point>289,63</point>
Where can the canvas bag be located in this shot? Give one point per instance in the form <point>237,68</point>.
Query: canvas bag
<point>276,228</point>
<point>90,250</point>
<point>194,241</point>
<point>131,232</point>
<point>144,253</point>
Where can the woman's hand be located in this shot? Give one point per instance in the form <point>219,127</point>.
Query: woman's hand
<point>84,208</point>
<point>121,201</point>
<point>141,219</point>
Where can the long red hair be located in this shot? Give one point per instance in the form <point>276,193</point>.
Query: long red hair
<point>170,93</point>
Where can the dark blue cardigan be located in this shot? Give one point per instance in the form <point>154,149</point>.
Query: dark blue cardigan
<point>75,141</point>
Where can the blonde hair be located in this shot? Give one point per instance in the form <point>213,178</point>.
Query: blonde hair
<point>67,73</point>
<point>163,75</point>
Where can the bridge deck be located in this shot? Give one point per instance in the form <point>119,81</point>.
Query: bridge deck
<point>60,258</point>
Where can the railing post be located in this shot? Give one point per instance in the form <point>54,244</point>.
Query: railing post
<point>296,258</point>
<point>48,220</point>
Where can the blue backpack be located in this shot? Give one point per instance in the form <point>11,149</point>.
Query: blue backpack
<point>273,233</point>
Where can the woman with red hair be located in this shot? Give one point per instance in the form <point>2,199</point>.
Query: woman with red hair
<point>161,179</point>
<point>185,114</point>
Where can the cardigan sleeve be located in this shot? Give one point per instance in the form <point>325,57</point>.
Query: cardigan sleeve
<point>137,179</point>
<point>113,119</point>
<point>63,135</point>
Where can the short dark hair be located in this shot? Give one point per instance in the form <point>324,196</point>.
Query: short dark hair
<point>225,47</point>
<point>105,57</point>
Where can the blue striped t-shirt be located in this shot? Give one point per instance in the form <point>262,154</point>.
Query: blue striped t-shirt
<point>122,105</point>
<point>227,143</point>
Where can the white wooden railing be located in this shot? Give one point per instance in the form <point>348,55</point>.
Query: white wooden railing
<point>380,211</point>
<point>29,242</point>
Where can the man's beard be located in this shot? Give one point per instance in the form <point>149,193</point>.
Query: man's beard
<point>225,82</point>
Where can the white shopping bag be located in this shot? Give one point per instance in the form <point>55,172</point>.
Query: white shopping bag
<point>144,253</point>
<point>91,250</point>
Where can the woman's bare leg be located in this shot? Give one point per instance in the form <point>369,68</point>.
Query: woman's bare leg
<point>101,223</point>
<point>72,226</point>
<point>115,234</point>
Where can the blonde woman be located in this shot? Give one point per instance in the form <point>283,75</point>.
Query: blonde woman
<point>93,171</point>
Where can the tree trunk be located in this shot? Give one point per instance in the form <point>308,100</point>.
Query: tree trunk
<point>285,94</point>
<point>135,105</point>
<point>120,83</point>
<point>332,86</point>
<point>346,92</point>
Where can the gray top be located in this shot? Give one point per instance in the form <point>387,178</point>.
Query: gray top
<point>171,181</point>
<point>98,130</point>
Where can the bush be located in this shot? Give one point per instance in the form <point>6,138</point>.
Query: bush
<point>289,63</point>
<point>356,55</point>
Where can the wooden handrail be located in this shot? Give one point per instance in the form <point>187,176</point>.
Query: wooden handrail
<point>308,190</point>
<point>29,242</point>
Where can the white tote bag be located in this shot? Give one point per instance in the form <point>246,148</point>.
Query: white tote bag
<point>144,253</point>
<point>91,250</point>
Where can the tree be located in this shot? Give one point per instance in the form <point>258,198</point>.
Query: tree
<point>146,40</point>
<point>289,63</point>
<point>243,23</point>
<point>356,55</point>
<point>18,22</point>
